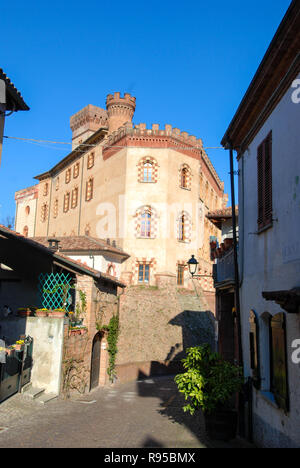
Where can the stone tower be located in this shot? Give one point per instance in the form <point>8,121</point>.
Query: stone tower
<point>119,110</point>
<point>86,122</point>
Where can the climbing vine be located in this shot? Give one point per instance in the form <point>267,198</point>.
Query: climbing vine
<point>113,331</point>
<point>81,306</point>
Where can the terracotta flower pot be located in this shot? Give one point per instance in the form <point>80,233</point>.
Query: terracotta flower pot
<point>41,313</point>
<point>24,312</point>
<point>56,313</point>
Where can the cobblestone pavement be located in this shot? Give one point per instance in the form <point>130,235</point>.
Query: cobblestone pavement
<point>139,414</point>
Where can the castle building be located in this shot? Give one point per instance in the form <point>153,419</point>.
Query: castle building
<point>148,190</point>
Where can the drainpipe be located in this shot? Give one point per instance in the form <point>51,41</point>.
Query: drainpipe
<point>235,257</point>
<point>237,287</point>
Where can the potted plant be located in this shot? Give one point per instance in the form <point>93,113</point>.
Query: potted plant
<point>19,345</point>
<point>210,384</point>
<point>24,311</point>
<point>41,312</point>
<point>59,313</point>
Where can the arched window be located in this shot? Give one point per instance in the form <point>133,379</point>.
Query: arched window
<point>185,176</point>
<point>146,224</point>
<point>111,270</point>
<point>254,349</point>
<point>25,231</point>
<point>182,228</point>
<point>27,210</point>
<point>148,171</point>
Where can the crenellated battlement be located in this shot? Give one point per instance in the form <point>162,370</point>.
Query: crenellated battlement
<point>142,130</point>
<point>116,99</point>
<point>155,137</point>
<point>119,110</point>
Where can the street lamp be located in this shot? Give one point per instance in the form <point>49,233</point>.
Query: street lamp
<point>192,263</point>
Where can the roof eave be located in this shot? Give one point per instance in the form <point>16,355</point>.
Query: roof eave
<point>77,151</point>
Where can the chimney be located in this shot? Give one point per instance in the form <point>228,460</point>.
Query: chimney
<point>53,245</point>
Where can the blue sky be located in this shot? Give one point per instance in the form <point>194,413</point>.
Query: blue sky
<point>187,63</point>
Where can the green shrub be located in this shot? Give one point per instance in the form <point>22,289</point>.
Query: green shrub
<point>209,382</point>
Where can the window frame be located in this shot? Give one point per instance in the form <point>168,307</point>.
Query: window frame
<point>89,189</point>
<point>264,184</point>
<point>254,349</point>
<point>68,175</point>
<point>145,266</point>
<point>90,160</point>
<point>182,228</point>
<point>149,171</point>
<point>180,274</point>
<point>66,205</point>
<point>146,221</point>
<point>74,198</point>
<point>278,322</point>
<point>76,170</point>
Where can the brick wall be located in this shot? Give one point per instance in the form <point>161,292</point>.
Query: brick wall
<point>102,304</point>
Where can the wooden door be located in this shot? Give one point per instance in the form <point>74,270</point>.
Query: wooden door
<point>95,363</point>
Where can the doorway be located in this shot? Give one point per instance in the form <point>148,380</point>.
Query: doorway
<point>95,361</point>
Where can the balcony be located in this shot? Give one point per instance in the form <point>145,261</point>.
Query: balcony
<point>223,269</point>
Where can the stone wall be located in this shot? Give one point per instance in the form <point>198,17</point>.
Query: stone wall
<point>156,327</point>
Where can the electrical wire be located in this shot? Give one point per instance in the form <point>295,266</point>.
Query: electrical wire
<point>39,142</point>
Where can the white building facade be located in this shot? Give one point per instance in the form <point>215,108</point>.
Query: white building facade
<point>265,133</point>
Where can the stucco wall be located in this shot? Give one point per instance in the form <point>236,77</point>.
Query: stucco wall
<point>47,334</point>
<point>270,261</point>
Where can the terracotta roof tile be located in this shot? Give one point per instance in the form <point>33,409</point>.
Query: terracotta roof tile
<point>222,213</point>
<point>81,243</point>
<point>14,97</point>
<point>59,256</point>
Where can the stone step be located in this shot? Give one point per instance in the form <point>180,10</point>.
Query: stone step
<point>33,392</point>
<point>26,387</point>
<point>46,397</point>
